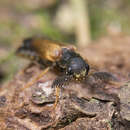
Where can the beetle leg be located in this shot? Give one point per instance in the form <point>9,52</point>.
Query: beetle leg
<point>36,78</point>
<point>57,91</point>
<point>59,83</point>
<point>107,78</point>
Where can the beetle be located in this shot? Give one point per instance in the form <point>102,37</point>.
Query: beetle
<point>64,58</point>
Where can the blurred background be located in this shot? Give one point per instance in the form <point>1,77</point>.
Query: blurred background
<point>71,21</point>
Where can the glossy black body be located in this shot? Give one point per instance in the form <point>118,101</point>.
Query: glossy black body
<point>70,63</point>
<point>73,66</point>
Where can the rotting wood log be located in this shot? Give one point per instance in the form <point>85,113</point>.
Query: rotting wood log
<point>80,105</point>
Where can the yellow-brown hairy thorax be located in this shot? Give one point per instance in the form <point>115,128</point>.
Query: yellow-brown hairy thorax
<point>47,49</point>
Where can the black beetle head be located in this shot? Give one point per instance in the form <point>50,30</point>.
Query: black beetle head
<point>78,68</point>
